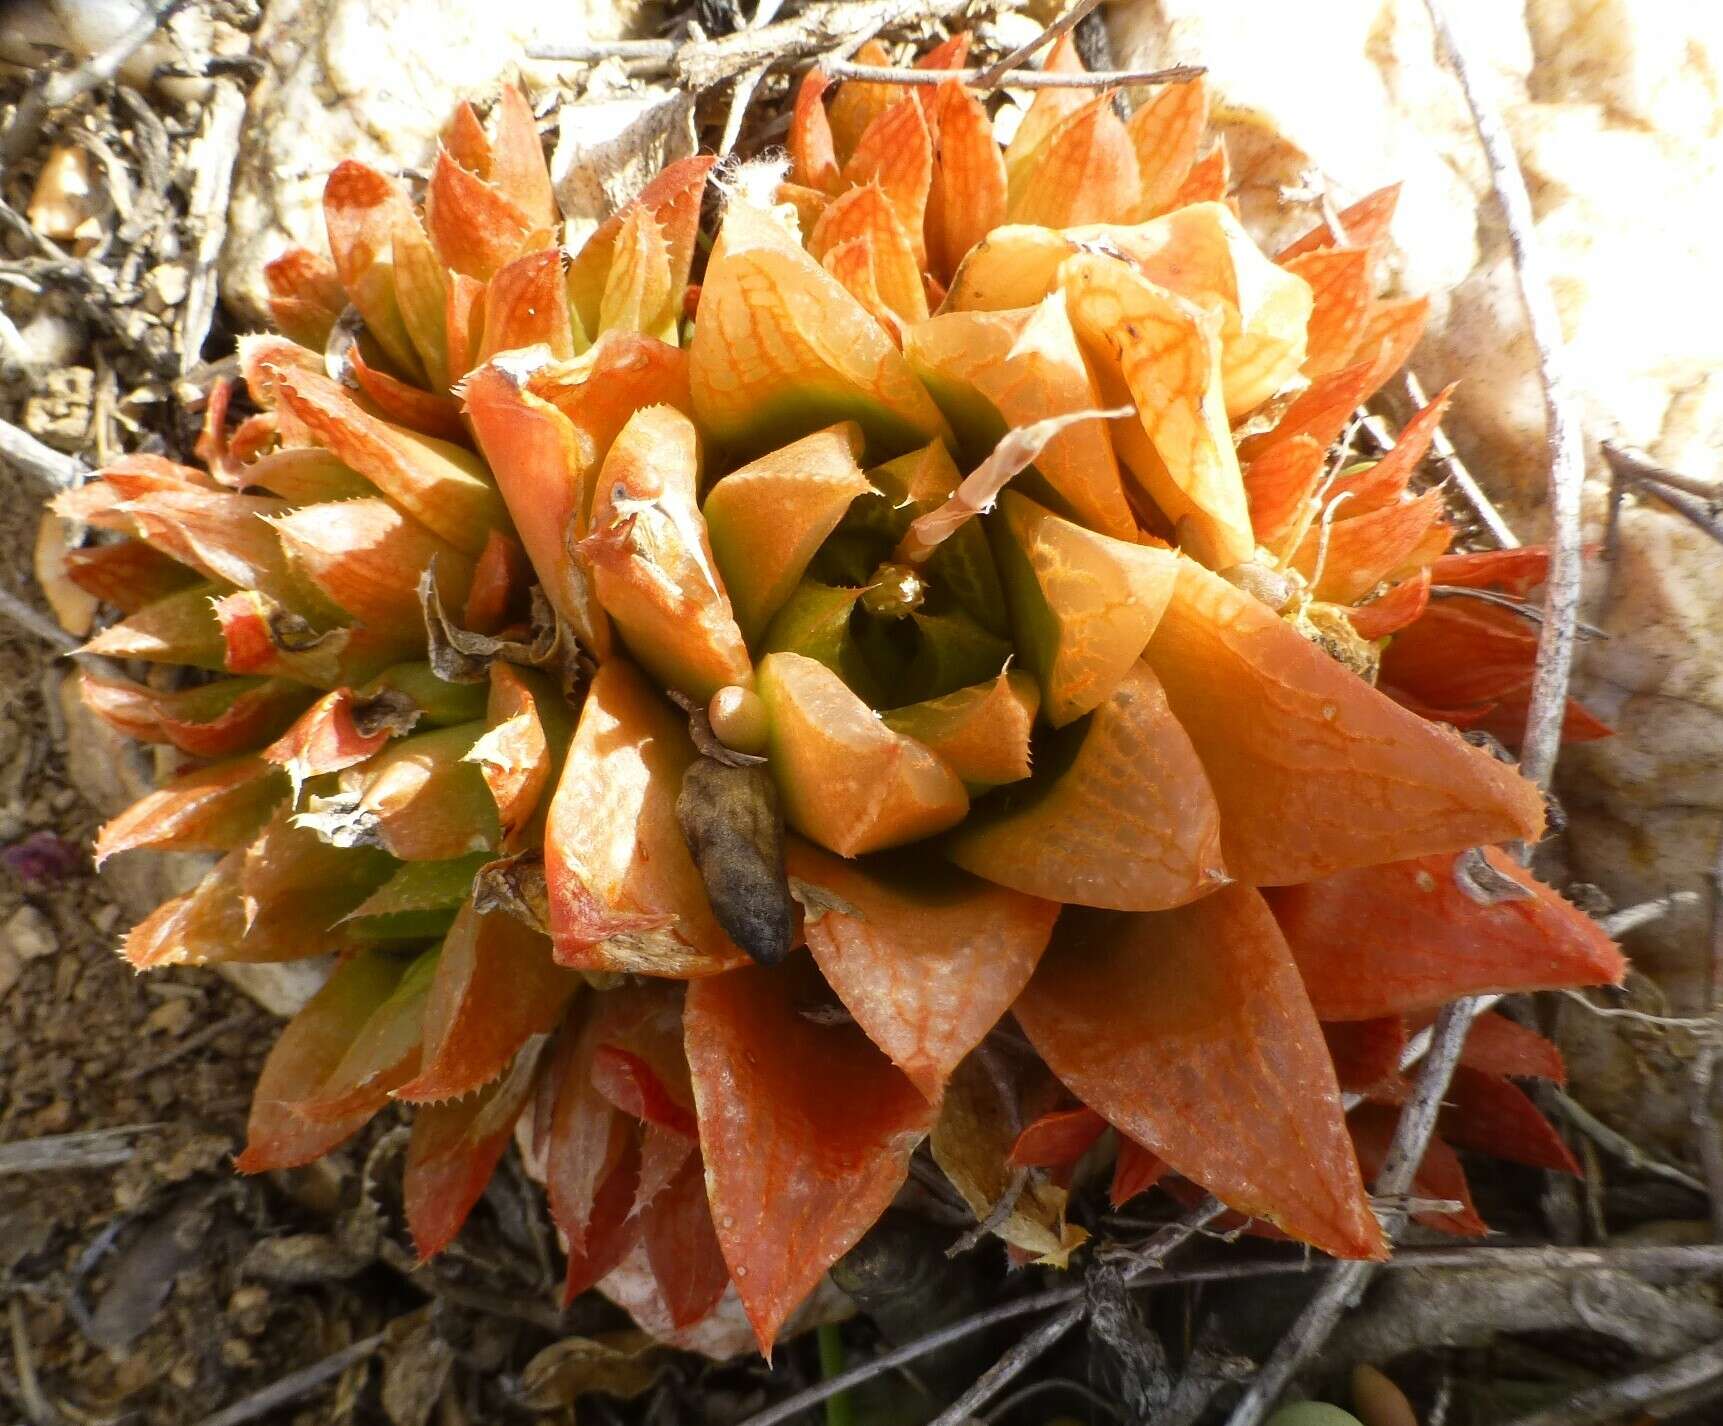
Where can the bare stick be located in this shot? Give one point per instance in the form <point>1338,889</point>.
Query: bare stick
<point>1348,1281</point>
<point>1640,466</point>
<point>61,88</point>
<point>992,1381</point>
<point>1633,1397</point>
<point>1630,468</point>
<point>1567,453</point>
<point>990,77</point>
<point>28,618</point>
<point>52,468</point>
<point>294,1385</point>
<point>1016,78</point>
<point>89,1149</point>
<point>1464,481</point>
<point>215,153</point>
<point>1619,1144</point>
<point>1703,1107</point>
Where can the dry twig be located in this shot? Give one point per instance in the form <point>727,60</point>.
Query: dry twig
<point>1688,498</point>
<point>27,617</point>
<point>91,1149</point>
<point>52,468</point>
<point>216,152</point>
<point>63,87</point>
<point>991,77</point>
<point>1016,78</point>
<point>1690,1381</point>
<point>1618,1144</point>
<point>294,1385</point>
<point>1464,481</point>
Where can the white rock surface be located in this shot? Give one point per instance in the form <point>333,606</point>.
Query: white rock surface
<point>1616,108</point>
<point>374,80</point>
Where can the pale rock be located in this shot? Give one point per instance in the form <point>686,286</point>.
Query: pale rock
<point>29,934</point>
<point>10,969</point>
<point>373,80</point>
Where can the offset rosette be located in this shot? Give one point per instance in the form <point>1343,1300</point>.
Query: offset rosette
<point>697,691</point>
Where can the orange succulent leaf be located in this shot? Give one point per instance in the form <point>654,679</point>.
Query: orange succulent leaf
<point>465,138</point>
<point>1500,1046</point>
<point>1439,1175</point>
<point>530,726</point>
<point>128,573</point>
<point>495,987</point>
<point>418,799</point>
<point>365,556</point>
<point>1120,814</point>
<point>1166,133</point>
<point>1314,770</point>
<point>198,926</point>
<point>443,486</point>
<point>813,158</point>
<point>967,197</point>
<point>1516,572</point>
<point>926,958</point>
<point>1279,485</point>
<point>1380,483</point>
<point>672,200</point>
<point>851,262</point>
<point>305,295</point>
<point>858,102</point>
<point>213,808</point>
<point>305,475</point>
<point>423,292</point>
<point>384,1054</point>
<point>767,520</point>
<point>981,732</point>
<point>1083,171</point>
<point>1403,937</point>
<point>682,1246</point>
<point>1356,554</point>
<point>1136,1170</point>
<point>1393,611</point>
<point>580,1135</point>
<point>308,1051</point>
<point>475,226</point>
<point>454,1150</point>
<point>526,305</point>
<point>1341,286</point>
<point>295,888</point>
<point>781,348</point>
<point>808,1129</point>
<point>1083,605</point>
<point>1366,1053</point>
<point>847,781</point>
<point>652,564</point>
<point>256,635</point>
<point>640,291</point>
<point>624,891</point>
<point>176,628</point>
<point>430,413</point>
<point>221,535</point>
<point>1190,1031</point>
<point>498,595</point>
<point>463,321</point>
<point>1321,412</point>
<point>517,164</point>
<point>361,211</point>
<point>1167,351</point>
<point>1390,332</point>
<point>1483,1112</point>
<point>1462,651</point>
<point>211,720</point>
<point>864,214</point>
<point>1363,225</point>
<point>1057,1139</point>
<point>1048,109</point>
<point>328,737</point>
<point>1208,180</point>
<point>1026,365</point>
<point>972,1142</point>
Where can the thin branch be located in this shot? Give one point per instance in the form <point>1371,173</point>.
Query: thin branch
<point>214,155</point>
<point>295,1384</point>
<point>1694,1378</point>
<point>88,1149</point>
<point>64,86</point>
<point>1567,453</point>
<point>1618,1144</point>
<point>1703,1107</point>
<point>27,617</point>
<point>994,1380</point>
<point>1677,492</point>
<point>1348,1280</point>
<point>1464,481</point>
<point>1017,78</point>
<point>1640,466</point>
<point>52,468</point>
<point>990,77</point>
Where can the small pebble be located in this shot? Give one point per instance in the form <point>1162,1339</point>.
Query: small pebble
<point>29,934</point>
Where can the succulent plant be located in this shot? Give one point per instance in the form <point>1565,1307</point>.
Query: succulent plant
<point>696,715</point>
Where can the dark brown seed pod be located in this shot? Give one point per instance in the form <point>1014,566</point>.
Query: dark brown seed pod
<point>735,832</point>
